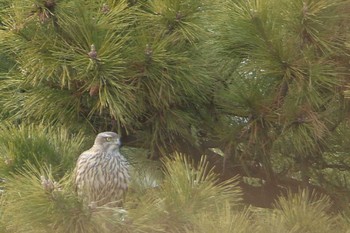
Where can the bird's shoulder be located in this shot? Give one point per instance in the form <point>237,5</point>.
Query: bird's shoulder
<point>92,152</point>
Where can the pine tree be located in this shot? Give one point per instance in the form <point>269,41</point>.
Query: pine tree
<point>260,86</point>
<point>134,68</point>
<point>281,103</point>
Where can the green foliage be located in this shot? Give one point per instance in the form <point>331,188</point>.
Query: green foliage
<point>146,173</point>
<point>34,202</point>
<point>180,19</point>
<point>142,66</point>
<point>38,145</point>
<point>184,194</point>
<point>223,220</point>
<point>302,212</point>
<point>282,65</point>
<point>187,192</point>
<point>265,82</point>
<point>62,51</point>
<point>188,199</point>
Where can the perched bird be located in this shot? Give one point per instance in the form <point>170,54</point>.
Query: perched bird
<point>101,173</point>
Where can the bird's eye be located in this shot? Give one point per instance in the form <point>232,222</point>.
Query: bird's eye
<point>108,139</point>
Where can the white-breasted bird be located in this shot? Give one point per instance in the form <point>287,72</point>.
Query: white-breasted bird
<point>102,173</point>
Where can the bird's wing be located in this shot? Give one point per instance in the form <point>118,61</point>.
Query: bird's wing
<point>81,159</point>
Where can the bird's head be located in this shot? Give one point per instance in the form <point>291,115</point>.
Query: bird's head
<point>108,141</point>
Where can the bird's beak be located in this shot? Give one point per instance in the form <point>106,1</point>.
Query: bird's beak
<point>118,142</point>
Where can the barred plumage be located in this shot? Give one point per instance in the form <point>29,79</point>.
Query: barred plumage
<point>101,173</point>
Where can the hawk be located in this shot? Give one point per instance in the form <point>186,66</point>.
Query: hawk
<point>102,173</point>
